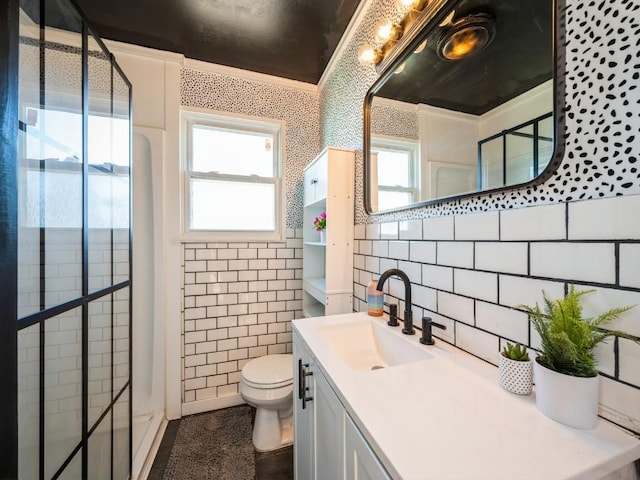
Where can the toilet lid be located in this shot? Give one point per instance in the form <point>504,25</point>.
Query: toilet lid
<point>269,370</point>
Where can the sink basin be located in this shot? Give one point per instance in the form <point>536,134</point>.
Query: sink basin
<point>366,344</point>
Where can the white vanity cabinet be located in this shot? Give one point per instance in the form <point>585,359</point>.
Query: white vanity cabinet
<point>329,432</point>
<point>360,461</point>
<point>304,371</point>
<point>327,444</point>
<point>327,265</point>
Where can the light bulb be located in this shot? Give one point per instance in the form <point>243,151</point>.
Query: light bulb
<point>387,31</point>
<point>400,69</point>
<point>368,55</point>
<point>406,5</point>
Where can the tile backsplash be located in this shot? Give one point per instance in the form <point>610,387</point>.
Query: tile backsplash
<point>468,272</point>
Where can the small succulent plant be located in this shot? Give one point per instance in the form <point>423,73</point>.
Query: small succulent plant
<point>515,352</point>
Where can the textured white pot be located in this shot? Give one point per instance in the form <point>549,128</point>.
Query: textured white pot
<point>572,401</point>
<point>515,376</point>
<point>323,236</point>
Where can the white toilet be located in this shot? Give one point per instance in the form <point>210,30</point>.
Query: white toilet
<point>267,385</point>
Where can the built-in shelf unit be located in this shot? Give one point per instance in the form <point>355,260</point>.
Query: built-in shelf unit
<point>327,266</point>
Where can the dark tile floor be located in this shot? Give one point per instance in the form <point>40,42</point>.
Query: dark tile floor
<point>276,465</point>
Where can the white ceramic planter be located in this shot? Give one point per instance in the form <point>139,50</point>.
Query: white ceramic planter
<point>572,401</point>
<point>323,236</point>
<point>515,376</point>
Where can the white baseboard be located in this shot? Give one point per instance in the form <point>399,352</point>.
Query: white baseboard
<point>212,404</point>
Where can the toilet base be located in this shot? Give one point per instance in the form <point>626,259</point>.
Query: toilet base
<point>270,431</point>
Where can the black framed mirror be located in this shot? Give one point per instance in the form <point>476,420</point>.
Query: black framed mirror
<point>469,103</point>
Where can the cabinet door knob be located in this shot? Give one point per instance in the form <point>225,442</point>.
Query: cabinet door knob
<point>314,181</point>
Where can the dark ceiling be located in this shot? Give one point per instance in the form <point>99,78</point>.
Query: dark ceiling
<point>519,58</point>
<point>287,38</point>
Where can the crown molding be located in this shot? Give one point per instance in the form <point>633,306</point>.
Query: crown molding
<point>443,112</point>
<point>137,50</point>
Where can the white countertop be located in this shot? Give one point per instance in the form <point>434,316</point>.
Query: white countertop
<point>446,417</point>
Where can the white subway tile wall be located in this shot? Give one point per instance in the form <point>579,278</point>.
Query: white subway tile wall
<point>388,231</point>
<point>410,229</point>
<point>546,222</point>
<point>455,254</point>
<point>630,265</point>
<point>476,269</point>
<point>239,300</point>
<point>607,218</point>
<point>478,226</point>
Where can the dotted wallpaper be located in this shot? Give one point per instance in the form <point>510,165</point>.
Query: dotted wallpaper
<point>602,123</point>
<point>298,108</point>
<point>63,67</point>
<point>398,122</point>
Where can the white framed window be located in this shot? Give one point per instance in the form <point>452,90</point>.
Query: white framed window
<point>397,170</point>
<point>233,170</point>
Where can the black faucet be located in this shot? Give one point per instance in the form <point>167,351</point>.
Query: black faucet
<point>408,314</point>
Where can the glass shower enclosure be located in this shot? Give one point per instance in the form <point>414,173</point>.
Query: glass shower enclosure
<point>65,208</point>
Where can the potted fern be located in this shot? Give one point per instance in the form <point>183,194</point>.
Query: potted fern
<point>567,386</point>
<point>515,370</point>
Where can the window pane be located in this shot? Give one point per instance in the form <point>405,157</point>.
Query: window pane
<point>28,231</point>
<point>393,168</point>
<point>99,144</point>
<point>28,402</point>
<point>121,435</point>
<point>121,340</point>
<point>519,161</point>
<point>99,451</point>
<point>74,469</point>
<point>99,357</point>
<point>253,205</point>
<point>387,199</point>
<point>545,143</point>
<point>121,160</point>
<point>232,152</point>
<point>491,156</point>
<point>63,388</point>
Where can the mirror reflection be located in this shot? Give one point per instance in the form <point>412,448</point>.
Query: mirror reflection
<point>467,108</point>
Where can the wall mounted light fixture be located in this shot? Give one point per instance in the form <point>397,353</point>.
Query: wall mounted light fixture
<point>391,37</point>
<point>388,32</point>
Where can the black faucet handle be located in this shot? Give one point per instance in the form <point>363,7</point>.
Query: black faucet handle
<point>393,314</point>
<point>408,323</point>
<point>427,324</point>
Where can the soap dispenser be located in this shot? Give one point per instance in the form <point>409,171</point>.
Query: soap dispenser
<point>375,299</point>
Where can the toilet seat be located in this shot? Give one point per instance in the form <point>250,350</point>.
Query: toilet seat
<point>270,371</point>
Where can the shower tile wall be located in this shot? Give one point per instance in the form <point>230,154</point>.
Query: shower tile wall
<point>239,300</point>
<point>469,271</point>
